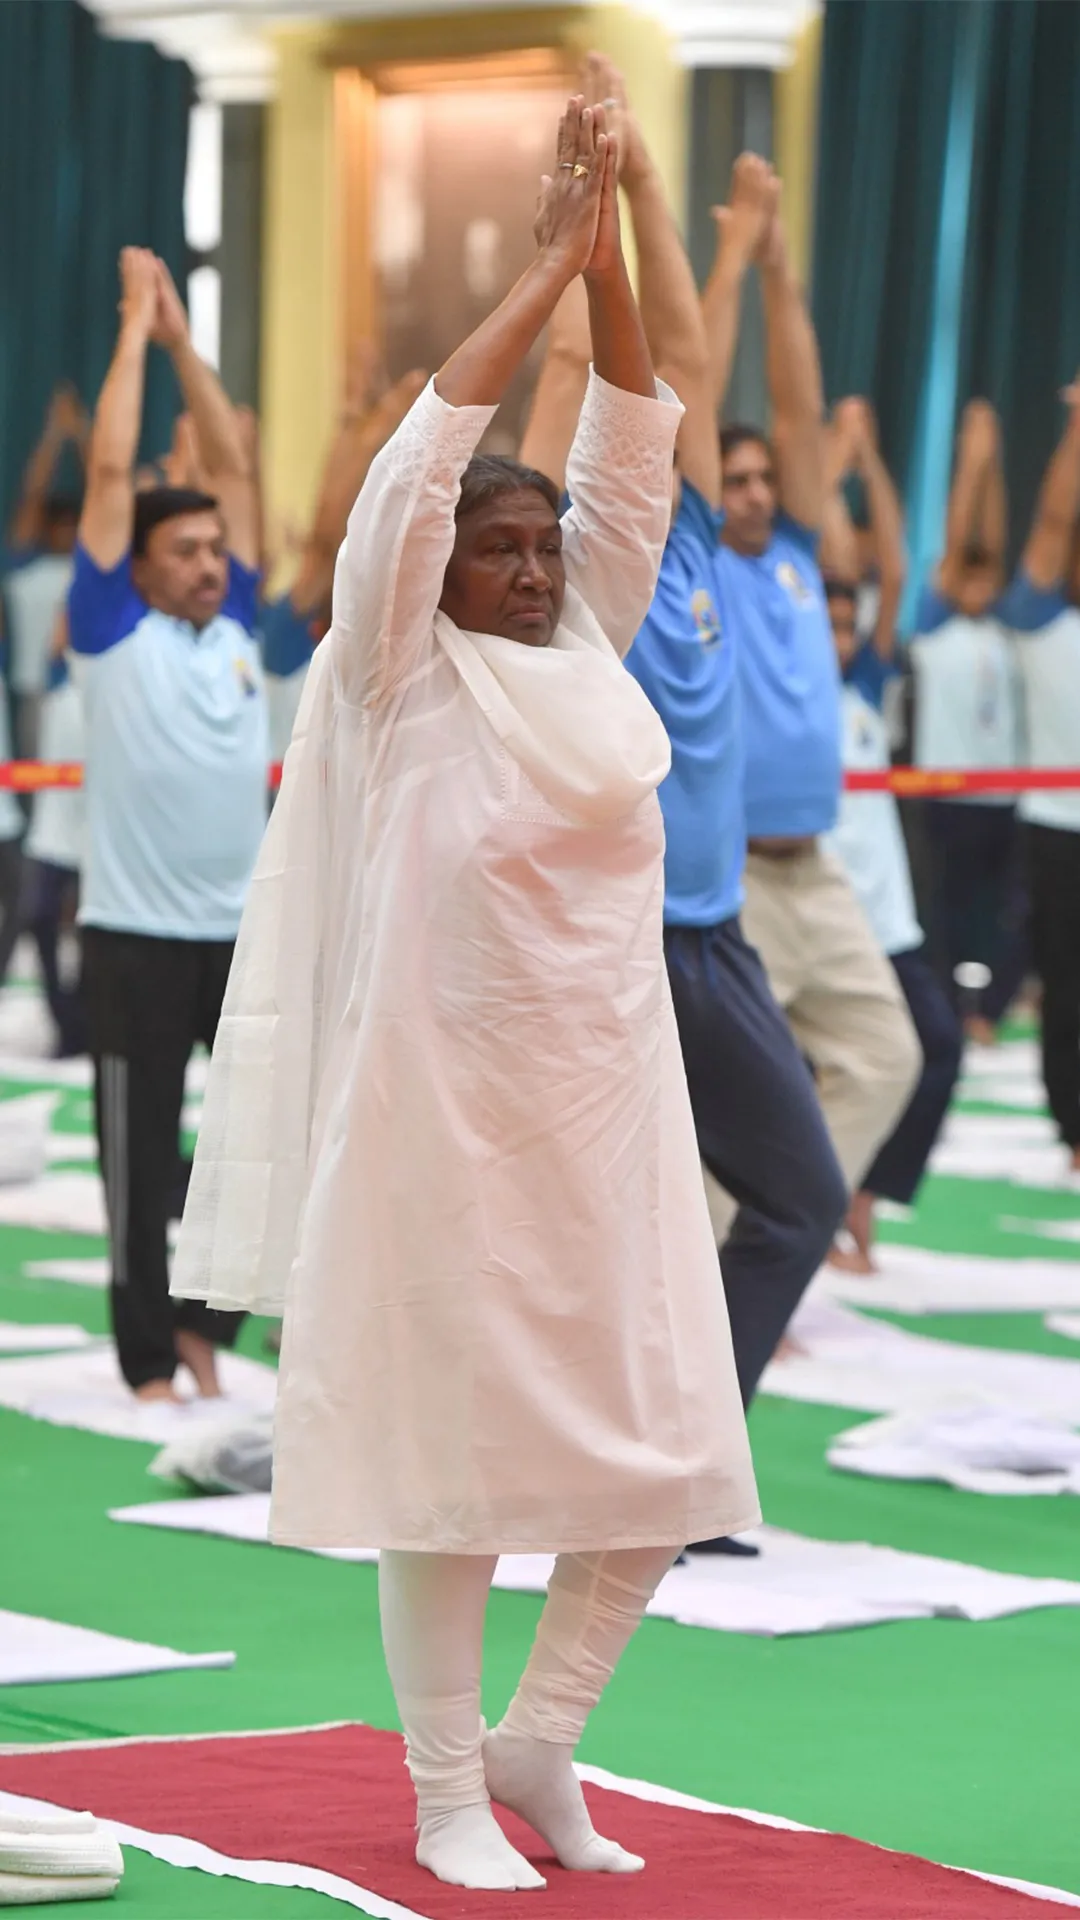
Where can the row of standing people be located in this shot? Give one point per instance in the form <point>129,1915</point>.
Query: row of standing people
<point>738,656</point>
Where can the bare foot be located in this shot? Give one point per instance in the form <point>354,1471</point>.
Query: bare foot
<point>200,1358</point>
<point>790,1349</point>
<point>980,1032</point>
<point>855,1253</point>
<point>850,1259</point>
<point>157,1390</point>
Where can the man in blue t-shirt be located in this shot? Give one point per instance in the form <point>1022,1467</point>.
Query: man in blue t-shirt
<point>161,621</point>
<point>759,1126</point>
<point>1042,607</point>
<point>840,995</point>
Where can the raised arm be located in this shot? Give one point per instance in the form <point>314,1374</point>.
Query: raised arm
<point>670,309</point>
<point>1045,558</point>
<point>105,527</point>
<point>839,548</point>
<point>65,423</point>
<point>560,388</point>
<point>852,447</point>
<point>389,575</point>
<point>794,375</point>
<point>976,515</point>
<point>740,228</point>
<point>225,451</point>
<point>620,469</point>
<point>358,439</point>
<point>886,517</point>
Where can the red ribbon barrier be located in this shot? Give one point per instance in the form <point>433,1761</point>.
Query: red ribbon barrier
<point>32,776</point>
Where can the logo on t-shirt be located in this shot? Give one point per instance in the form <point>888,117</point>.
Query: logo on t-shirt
<point>245,676</point>
<point>705,617</point>
<point>794,585</point>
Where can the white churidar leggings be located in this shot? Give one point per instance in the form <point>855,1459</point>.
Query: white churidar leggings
<point>433,1606</point>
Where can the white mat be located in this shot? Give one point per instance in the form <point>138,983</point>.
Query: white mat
<point>71,1146</point>
<point>1040,1229</point>
<point>68,1202</point>
<point>976,1448</point>
<point>1021,1148</point>
<point>34,1651</point>
<point>91,1272</point>
<point>1067,1324</point>
<point>45,1072</point>
<point>1005,1076</point>
<point>796,1586</point>
<point>49,1338</point>
<point>914,1280</point>
<point>850,1360</point>
<point>85,1390</point>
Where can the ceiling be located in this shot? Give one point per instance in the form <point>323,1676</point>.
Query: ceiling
<point>230,47</point>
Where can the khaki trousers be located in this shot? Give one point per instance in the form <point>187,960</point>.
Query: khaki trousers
<point>841,997</point>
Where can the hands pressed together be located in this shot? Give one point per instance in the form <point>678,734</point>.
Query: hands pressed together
<point>149,303</point>
<point>749,224</point>
<point>577,218</point>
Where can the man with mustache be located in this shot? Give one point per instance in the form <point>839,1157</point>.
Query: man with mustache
<point>161,622</point>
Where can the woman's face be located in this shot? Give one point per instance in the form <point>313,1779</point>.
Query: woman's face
<point>506,572</point>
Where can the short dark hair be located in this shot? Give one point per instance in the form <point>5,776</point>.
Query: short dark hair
<point>156,504</point>
<point>738,434</point>
<point>841,590</point>
<point>488,475</point>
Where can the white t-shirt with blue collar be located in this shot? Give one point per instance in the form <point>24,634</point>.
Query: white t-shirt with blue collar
<point>177,750</point>
<point>967,713</point>
<point>1048,650</point>
<point>868,839</point>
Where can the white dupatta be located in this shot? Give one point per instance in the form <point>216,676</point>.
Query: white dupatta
<point>581,729</point>
<point>249,1176</point>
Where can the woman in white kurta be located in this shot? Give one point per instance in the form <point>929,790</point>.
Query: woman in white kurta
<point>504,1323</point>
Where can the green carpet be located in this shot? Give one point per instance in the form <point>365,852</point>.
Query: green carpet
<point>948,1739</point>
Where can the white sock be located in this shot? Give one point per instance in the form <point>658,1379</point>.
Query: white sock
<point>595,1602</point>
<point>468,1848</point>
<point>432,1607</point>
<point>536,1779</point>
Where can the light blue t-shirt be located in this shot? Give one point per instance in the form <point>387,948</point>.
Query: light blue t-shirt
<point>177,755</point>
<point>683,660</point>
<point>1048,653</point>
<point>773,607</point>
<point>287,646</point>
<point>966,710</point>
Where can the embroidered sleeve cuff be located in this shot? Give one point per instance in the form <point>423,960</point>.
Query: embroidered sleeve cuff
<point>435,437</point>
<point>631,433</point>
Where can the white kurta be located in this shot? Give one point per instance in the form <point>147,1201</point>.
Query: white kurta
<point>504,1322</point>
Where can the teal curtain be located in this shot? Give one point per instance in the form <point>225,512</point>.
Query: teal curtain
<point>93,152</point>
<point>946,261</point>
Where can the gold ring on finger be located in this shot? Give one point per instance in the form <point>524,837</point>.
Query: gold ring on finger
<point>579,171</point>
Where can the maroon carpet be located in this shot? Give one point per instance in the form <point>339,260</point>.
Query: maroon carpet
<point>339,1799</point>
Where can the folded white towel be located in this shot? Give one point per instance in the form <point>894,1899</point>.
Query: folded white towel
<point>79,1854</point>
<point>48,1820</point>
<point>35,1890</point>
